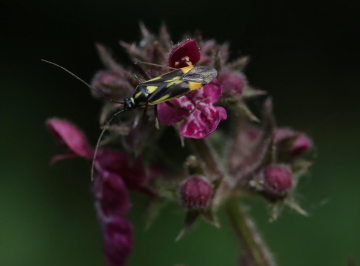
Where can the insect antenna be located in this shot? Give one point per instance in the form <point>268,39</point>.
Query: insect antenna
<point>156,65</point>
<point>81,80</point>
<point>99,140</point>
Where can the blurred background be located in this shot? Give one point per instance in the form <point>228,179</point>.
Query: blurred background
<point>304,53</point>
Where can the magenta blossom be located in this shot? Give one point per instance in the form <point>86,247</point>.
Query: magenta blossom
<point>117,237</point>
<point>114,174</point>
<point>204,117</point>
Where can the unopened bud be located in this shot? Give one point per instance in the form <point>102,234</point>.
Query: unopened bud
<point>300,145</point>
<point>277,180</point>
<point>291,142</point>
<point>195,192</point>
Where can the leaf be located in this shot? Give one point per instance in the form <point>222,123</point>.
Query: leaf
<point>190,218</point>
<point>152,211</point>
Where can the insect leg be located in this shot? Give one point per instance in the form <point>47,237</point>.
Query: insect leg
<point>183,109</point>
<point>179,108</point>
<point>142,71</point>
<point>157,126</point>
<point>98,142</point>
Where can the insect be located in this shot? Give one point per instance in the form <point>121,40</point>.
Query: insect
<point>157,90</point>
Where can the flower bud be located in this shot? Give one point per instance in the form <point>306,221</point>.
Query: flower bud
<point>277,180</point>
<point>292,143</point>
<point>195,192</point>
<point>300,145</point>
<point>111,85</point>
<point>232,83</point>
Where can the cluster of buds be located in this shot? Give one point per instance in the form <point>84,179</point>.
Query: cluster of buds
<point>252,154</point>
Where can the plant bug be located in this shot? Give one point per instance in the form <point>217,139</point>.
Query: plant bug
<point>160,89</point>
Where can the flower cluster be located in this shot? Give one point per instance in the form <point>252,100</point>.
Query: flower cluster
<point>248,153</point>
<point>114,175</point>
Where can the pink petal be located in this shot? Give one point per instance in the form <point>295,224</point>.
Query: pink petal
<point>203,120</point>
<point>68,135</point>
<point>187,48</point>
<point>132,172</point>
<point>117,237</point>
<point>110,191</point>
<point>200,124</point>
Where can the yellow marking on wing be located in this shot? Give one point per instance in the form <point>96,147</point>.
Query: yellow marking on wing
<point>173,79</point>
<point>170,84</point>
<point>186,69</point>
<point>157,78</point>
<point>137,95</point>
<point>194,85</point>
<point>151,89</point>
<point>173,83</point>
<point>162,99</point>
<point>132,100</point>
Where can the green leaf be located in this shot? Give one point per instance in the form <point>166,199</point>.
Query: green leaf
<point>190,218</point>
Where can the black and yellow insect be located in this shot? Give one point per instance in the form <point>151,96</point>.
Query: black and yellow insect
<point>169,86</point>
<point>157,90</point>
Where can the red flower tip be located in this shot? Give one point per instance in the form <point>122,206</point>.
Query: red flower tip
<point>277,179</point>
<point>68,135</point>
<point>231,83</point>
<point>187,51</point>
<point>195,192</point>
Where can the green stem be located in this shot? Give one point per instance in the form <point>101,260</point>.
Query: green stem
<point>241,223</point>
<point>244,229</point>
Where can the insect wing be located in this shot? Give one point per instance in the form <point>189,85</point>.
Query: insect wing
<point>200,74</point>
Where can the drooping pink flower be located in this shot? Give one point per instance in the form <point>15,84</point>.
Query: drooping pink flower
<point>110,191</point>
<point>117,235</point>
<point>204,117</point>
<point>69,136</point>
<point>114,174</point>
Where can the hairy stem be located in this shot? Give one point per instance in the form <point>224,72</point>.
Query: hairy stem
<point>246,232</point>
<point>241,223</point>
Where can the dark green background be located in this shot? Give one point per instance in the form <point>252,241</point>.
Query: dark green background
<point>304,53</point>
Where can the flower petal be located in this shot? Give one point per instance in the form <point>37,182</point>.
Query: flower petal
<point>132,173</point>
<point>117,237</point>
<point>202,121</point>
<point>71,137</point>
<point>110,191</point>
<point>187,48</point>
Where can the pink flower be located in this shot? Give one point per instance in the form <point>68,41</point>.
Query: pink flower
<point>117,237</point>
<point>114,174</point>
<point>179,52</point>
<point>70,137</point>
<point>205,117</point>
